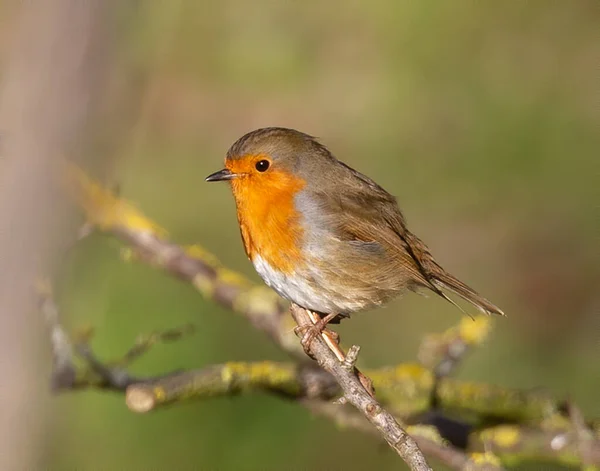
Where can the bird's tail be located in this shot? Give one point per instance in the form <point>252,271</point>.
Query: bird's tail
<point>442,279</point>
<point>436,278</point>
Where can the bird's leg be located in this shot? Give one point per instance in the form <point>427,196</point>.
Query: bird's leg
<point>319,328</point>
<point>332,340</point>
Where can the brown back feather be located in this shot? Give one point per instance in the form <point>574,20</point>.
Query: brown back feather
<point>371,214</point>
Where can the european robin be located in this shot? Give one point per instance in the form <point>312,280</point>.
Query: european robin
<point>323,235</point>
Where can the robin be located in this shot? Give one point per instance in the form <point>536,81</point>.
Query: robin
<point>323,235</point>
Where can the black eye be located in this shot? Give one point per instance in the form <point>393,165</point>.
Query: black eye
<point>262,165</point>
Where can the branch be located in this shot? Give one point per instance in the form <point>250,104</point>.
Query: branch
<point>444,352</point>
<point>314,388</point>
<point>557,445</point>
<point>259,304</point>
<point>308,384</point>
<point>427,437</point>
<point>63,367</point>
<point>359,397</point>
<point>405,389</point>
<point>285,379</point>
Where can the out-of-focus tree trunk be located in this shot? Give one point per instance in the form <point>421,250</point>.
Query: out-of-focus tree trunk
<point>54,70</point>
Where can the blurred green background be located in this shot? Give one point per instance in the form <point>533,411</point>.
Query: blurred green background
<point>483,118</point>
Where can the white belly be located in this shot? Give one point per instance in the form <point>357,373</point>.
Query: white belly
<point>297,289</point>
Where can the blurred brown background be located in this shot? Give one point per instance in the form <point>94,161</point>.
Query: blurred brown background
<point>483,118</point>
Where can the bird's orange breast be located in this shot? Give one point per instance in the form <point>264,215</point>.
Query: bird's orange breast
<point>269,222</point>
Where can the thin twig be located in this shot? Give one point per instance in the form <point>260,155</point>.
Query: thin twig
<point>145,342</point>
<point>443,352</point>
<point>112,377</point>
<point>558,445</point>
<point>431,446</point>
<point>359,397</point>
<point>63,368</point>
<point>268,313</point>
<point>314,388</point>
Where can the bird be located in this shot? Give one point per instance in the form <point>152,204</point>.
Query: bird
<point>323,235</point>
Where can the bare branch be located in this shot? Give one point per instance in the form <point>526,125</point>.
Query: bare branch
<point>359,397</point>
<point>405,389</point>
<point>145,342</point>
<point>285,379</point>
<point>444,352</point>
<point>63,371</point>
<point>307,384</point>
<point>259,304</point>
<point>108,376</point>
<point>426,437</point>
<point>559,445</point>
<point>314,388</point>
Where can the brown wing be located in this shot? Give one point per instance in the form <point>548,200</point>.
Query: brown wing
<point>371,216</point>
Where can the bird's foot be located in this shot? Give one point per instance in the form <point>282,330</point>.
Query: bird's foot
<point>310,332</point>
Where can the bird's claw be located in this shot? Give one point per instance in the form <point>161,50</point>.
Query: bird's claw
<point>310,332</point>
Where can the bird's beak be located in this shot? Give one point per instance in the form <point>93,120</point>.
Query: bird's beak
<point>221,175</point>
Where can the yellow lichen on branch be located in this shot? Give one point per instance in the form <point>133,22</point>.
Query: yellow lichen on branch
<point>405,388</point>
<point>473,331</point>
<point>443,351</point>
<point>218,380</point>
<point>107,212</point>
<point>408,390</point>
<point>102,208</point>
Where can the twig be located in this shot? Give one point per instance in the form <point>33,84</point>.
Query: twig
<point>259,304</point>
<point>405,389</point>
<point>65,374</point>
<point>557,445</point>
<point>63,368</point>
<point>145,342</point>
<point>508,404</point>
<point>444,352</point>
<point>428,440</point>
<point>359,397</point>
<point>349,363</point>
<point>314,388</point>
<point>285,379</point>
<point>111,377</point>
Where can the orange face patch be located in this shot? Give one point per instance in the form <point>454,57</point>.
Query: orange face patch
<point>269,221</point>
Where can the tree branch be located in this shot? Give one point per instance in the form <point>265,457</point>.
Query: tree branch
<point>314,388</point>
<point>285,379</point>
<point>406,390</point>
<point>444,352</point>
<point>63,371</point>
<point>427,438</point>
<point>356,394</point>
<point>260,305</point>
<point>560,444</point>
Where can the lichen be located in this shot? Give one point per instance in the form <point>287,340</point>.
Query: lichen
<point>474,331</point>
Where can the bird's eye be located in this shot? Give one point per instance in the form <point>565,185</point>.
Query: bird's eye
<point>262,165</point>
